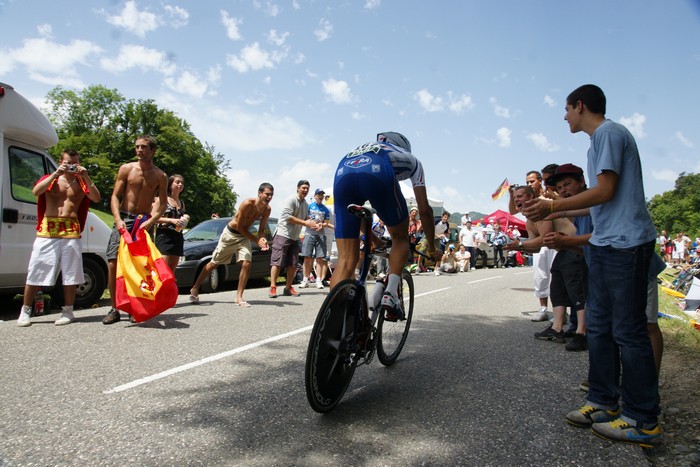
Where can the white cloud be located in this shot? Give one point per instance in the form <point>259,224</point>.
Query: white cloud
<point>324,30</point>
<point>455,104</point>
<point>284,178</point>
<point>665,175</point>
<point>358,116</point>
<point>635,124</point>
<point>50,62</point>
<point>45,31</point>
<point>190,83</point>
<point>272,9</point>
<point>231,25</point>
<point>338,91</point>
<point>503,135</point>
<point>550,101</point>
<point>684,141</point>
<point>542,143</point>
<point>458,103</point>
<point>252,57</point>
<point>372,4</point>
<point>498,109</point>
<point>137,56</point>
<point>135,21</point>
<point>295,5</point>
<point>277,39</point>
<point>428,102</point>
<point>178,16</point>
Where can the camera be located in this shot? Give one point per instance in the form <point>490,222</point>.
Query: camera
<point>72,168</point>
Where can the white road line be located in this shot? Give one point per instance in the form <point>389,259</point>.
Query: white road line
<point>213,358</point>
<point>519,273</point>
<point>487,279</point>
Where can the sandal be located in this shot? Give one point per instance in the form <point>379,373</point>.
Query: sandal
<point>194,299</point>
<point>243,304</point>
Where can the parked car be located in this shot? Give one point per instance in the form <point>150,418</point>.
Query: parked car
<point>200,242</point>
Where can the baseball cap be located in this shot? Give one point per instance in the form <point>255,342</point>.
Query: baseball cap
<point>452,247</point>
<point>566,170</point>
<point>319,192</point>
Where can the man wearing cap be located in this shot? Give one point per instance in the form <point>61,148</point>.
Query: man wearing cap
<point>285,243</point>
<point>314,245</point>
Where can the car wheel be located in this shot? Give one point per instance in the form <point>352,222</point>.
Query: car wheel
<point>89,292</point>
<point>212,284</point>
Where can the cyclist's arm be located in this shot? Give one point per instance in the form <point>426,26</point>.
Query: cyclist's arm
<point>425,212</point>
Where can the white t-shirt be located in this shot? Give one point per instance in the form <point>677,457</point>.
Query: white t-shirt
<point>467,237</point>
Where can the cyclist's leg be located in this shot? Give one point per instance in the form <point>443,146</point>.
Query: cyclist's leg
<point>398,254</point>
<point>348,256</point>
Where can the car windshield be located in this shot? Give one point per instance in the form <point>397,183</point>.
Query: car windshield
<point>211,230</point>
<point>207,230</point>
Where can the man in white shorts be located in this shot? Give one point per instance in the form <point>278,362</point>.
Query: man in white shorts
<point>63,199</point>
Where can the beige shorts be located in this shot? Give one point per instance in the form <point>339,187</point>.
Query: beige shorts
<point>231,244</point>
<point>53,255</point>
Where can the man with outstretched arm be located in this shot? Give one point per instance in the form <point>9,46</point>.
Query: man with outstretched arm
<point>621,360</point>
<point>236,239</point>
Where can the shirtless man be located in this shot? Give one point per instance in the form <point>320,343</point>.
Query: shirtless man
<point>236,240</point>
<point>537,231</point>
<point>132,201</point>
<point>63,201</point>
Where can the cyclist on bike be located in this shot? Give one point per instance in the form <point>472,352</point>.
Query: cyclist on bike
<point>372,173</point>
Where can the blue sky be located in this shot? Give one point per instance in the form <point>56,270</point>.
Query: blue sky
<point>285,88</point>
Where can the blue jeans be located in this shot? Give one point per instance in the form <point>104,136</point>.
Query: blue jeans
<point>618,339</point>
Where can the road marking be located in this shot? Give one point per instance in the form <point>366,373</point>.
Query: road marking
<point>213,358</point>
<point>526,272</point>
<point>487,279</point>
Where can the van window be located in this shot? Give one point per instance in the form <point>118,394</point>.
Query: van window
<point>26,167</point>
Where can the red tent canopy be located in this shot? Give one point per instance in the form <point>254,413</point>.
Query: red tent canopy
<point>503,218</point>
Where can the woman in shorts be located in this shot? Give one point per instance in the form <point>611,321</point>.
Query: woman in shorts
<point>169,239</point>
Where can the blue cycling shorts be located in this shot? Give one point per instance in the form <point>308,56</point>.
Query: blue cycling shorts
<point>366,177</point>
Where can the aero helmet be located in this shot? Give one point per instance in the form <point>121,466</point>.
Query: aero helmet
<point>397,139</point>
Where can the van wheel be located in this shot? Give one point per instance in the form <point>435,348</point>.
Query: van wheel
<point>89,292</point>
<point>212,283</point>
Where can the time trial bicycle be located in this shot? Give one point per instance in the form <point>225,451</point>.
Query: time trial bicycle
<point>350,327</point>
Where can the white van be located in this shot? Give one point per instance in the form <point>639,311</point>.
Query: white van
<point>25,133</point>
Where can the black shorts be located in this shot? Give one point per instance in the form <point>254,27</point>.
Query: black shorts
<point>569,286</point>
<point>170,242</point>
<point>115,237</point>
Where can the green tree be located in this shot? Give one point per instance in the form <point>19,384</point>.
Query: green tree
<point>678,210</point>
<point>102,125</point>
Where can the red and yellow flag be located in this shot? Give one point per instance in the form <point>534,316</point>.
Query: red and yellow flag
<point>501,190</point>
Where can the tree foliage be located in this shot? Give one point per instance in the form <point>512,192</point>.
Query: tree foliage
<point>102,125</point>
<point>678,210</point>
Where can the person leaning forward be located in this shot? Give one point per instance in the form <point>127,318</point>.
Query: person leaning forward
<point>236,240</point>
<point>132,205</point>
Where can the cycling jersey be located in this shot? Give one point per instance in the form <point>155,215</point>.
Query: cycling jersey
<point>371,173</point>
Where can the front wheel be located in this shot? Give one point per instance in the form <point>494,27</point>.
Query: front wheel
<point>392,334</point>
<point>330,362</point>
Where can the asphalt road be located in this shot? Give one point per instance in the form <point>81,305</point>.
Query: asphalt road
<point>222,385</point>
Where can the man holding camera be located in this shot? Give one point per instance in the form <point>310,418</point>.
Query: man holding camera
<point>63,199</point>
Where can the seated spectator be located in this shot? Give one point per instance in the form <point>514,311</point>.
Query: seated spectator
<point>463,259</point>
<point>449,261</point>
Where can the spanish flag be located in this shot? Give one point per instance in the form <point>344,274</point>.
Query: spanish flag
<point>501,190</point>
